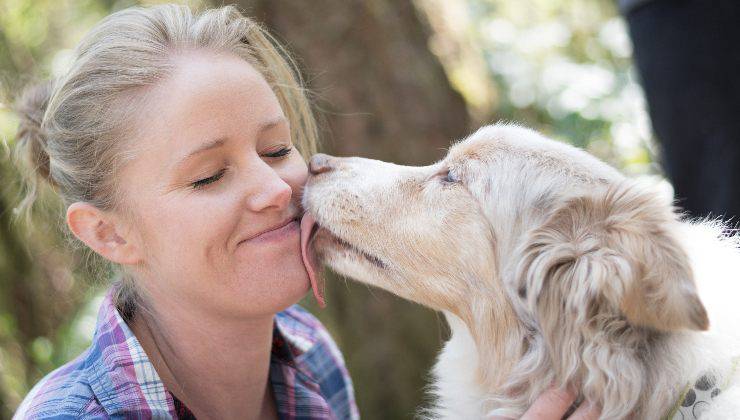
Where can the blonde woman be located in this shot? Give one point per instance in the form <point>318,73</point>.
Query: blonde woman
<point>177,142</point>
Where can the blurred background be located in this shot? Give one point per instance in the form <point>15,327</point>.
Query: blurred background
<point>392,79</point>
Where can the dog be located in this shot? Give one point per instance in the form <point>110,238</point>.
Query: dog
<point>550,266</point>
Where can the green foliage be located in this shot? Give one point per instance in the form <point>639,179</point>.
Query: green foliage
<point>565,67</point>
<point>43,302</point>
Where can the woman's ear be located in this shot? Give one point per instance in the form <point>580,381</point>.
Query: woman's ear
<point>104,233</point>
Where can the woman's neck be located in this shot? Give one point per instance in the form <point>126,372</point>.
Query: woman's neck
<point>218,369</point>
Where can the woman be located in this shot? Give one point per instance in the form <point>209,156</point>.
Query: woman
<point>178,144</point>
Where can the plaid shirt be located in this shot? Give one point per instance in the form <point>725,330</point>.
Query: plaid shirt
<point>114,378</point>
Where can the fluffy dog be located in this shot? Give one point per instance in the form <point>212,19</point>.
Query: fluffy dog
<point>550,267</point>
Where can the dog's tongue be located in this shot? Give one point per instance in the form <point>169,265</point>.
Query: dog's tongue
<point>317,283</point>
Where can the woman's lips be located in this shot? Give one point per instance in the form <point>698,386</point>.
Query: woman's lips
<point>287,230</point>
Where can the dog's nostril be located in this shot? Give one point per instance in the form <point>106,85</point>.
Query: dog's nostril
<point>319,164</point>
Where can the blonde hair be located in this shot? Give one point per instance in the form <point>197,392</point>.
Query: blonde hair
<point>74,131</point>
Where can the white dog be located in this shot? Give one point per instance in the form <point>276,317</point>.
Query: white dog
<point>551,267</point>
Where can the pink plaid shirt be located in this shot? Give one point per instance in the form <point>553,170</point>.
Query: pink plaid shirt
<point>114,378</point>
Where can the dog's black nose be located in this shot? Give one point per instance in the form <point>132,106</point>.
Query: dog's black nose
<point>320,163</point>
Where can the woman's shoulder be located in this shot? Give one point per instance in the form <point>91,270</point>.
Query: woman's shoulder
<point>66,391</point>
<point>112,378</point>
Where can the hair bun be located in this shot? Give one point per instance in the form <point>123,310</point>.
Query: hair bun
<point>31,138</point>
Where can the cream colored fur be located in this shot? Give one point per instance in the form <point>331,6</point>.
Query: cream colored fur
<point>550,266</point>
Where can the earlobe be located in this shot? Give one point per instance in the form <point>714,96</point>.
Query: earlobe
<point>102,232</point>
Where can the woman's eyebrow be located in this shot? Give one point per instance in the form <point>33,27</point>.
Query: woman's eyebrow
<point>272,124</point>
<point>222,140</point>
<point>202,148</point>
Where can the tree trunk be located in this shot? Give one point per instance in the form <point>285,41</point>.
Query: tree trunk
<point>382,94</point>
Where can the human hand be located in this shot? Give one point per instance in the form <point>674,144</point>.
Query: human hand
<point>554,403</point>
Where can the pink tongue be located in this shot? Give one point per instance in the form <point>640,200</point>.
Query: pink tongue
<point>307,224</point>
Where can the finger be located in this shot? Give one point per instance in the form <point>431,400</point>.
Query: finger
<point>551,405</point>
<point>586,411</point>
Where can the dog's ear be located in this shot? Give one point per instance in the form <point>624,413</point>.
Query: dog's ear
<point>612,252</point>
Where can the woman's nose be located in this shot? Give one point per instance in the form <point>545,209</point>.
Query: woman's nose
<point>320,163</point>
<point>273,192</point>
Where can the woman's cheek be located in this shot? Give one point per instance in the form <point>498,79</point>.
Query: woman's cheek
<point>295,173</point>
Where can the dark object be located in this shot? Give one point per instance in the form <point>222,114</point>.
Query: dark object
<point>706,382</point>
<point>319,164</point>
<point>688,56</point>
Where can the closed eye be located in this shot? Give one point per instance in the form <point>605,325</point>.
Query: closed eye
<point>211,179</point>
<point>280,153</point>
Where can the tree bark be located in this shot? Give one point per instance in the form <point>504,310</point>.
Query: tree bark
<point>382,94</point>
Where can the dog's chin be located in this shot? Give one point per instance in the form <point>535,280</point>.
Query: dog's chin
<point>348,259</point>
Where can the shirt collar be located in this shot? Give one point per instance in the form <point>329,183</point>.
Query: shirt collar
<point>123,378</point>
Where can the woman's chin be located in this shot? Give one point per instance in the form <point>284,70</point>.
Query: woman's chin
<point>272,286</point>
<point>293,288</point>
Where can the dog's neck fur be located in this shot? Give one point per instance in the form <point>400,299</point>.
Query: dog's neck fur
<point>479,375</point>
<point>474,375</point>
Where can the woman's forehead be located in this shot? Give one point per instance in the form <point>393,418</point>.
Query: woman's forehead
<point>208,97</point>
<point>208,83</point>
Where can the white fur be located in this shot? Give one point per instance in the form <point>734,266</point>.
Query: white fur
<point>550,267</point>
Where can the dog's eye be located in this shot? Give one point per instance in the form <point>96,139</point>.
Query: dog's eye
<point>450,178</point>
